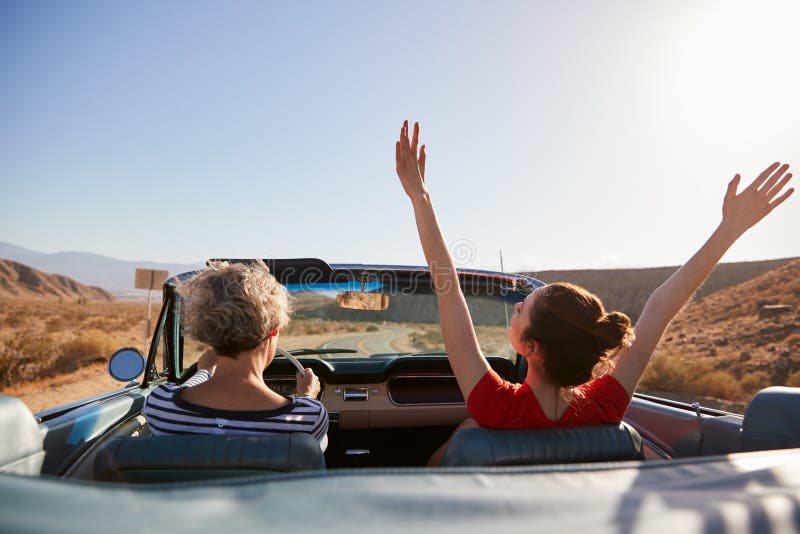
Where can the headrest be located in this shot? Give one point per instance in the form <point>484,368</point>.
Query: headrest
<point>476,446</point>
<point>21,441</point>
<point>772,420</point>
<point>198,457</point>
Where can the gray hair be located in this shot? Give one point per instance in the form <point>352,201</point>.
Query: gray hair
<point>234,307</point>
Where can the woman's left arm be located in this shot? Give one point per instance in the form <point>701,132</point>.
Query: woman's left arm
<point>460,341</point>
<point>739,212</point>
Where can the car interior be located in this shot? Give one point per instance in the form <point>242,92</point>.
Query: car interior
<point>364,434</point>
<point>385,412</point>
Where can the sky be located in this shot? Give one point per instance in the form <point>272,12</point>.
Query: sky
<point>579,134</point>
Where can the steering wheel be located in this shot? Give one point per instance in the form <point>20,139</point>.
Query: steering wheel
<point>300,370</point>
<point>192,369</point>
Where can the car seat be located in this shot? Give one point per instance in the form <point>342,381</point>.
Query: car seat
<point>198,457</point>
<point>477,446</point>
<point>21,441</point>
<point>772,420</point>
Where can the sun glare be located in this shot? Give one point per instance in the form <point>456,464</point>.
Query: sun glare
<point>737,65</point>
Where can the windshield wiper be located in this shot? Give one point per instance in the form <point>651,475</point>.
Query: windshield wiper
<point>430,353</point>
<point>306,352</point>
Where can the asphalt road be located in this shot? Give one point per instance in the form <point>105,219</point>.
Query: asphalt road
<point>367,343</point>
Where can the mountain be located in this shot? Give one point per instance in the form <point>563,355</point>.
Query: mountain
<point>750,328</point>
<point>114,275</point>
<point>20,281</point>
<point>627,290</point>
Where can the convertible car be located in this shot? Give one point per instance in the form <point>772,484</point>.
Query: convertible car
<point>370,332</point>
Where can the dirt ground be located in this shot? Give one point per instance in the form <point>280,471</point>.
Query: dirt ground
<point>65,346</point>
<point>42,394</point>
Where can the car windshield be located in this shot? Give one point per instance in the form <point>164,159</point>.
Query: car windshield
<point>329,321</point>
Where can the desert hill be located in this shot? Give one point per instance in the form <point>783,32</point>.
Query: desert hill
<point>626,290</point>
<point>20,281</point>
<point>751,329</point>
<point>91,269</point>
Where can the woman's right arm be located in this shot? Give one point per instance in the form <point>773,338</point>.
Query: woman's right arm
<point>463,351</point>
<point>739,212</point>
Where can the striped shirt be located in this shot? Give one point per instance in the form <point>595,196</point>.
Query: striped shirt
<point>167,413</point>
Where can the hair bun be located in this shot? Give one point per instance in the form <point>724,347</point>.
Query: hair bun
<point>612,331</point>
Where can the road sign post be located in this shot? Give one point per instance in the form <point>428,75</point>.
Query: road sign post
<point>149,279</point>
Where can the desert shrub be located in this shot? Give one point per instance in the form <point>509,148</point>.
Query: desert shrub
<point>89,346</point>
<point>793,381</point>
<point>105,324</point>
<point>23,355</point>
<point>695,377</point>
<point>372,328</point>
<point>427,339</point>
<point>666,373</point>
<point>56,324</point>
<point>61,365</point>
<point>307,327</point>
<point>30,347</point>
<point>132,321</point>
<point>754,382</point>
<point>717,383</point>
<point>73,316</point>
<point>11,369</point>
<point>15,319</point>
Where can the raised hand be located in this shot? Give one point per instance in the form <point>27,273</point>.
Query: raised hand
<point>742,211</point>
<point>410,167</point>
<point>739,212</point>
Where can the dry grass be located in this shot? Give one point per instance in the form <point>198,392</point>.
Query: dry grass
<point>45,342</point>
<point>794,380</point>
<point>427,339</point>
<point>696,377</point>
<point>302,326</point>
<point>47,393</point>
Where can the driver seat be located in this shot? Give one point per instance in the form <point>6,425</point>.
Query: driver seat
<point>483,447</point>
<point>172,458</point>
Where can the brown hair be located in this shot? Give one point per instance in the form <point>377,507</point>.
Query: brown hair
<point>575,333</point>
<point>234,307</point>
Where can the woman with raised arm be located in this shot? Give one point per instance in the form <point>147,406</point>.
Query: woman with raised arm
<point>562,330</point>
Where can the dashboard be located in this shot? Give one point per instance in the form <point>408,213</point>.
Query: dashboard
<point>385,392</point>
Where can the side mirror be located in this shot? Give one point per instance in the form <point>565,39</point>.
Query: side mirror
<point>356,300</point>
<point>126,364</point>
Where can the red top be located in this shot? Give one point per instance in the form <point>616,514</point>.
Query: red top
<point>497,403</point>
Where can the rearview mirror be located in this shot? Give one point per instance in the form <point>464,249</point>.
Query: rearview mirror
<point>126,364</point>
<point>356,300</point>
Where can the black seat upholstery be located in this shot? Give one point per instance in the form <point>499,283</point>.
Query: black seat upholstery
<point>487,447</point>
<point>198,457</point>
<point>772,420</point>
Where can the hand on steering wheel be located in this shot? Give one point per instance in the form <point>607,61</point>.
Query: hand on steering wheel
<point>300,370</point>
<point>307,382</point>
<point>209,360</point>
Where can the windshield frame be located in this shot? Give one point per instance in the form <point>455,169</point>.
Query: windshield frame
<point>310,271</point>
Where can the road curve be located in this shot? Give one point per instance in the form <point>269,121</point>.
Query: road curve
<point>366,343</point>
